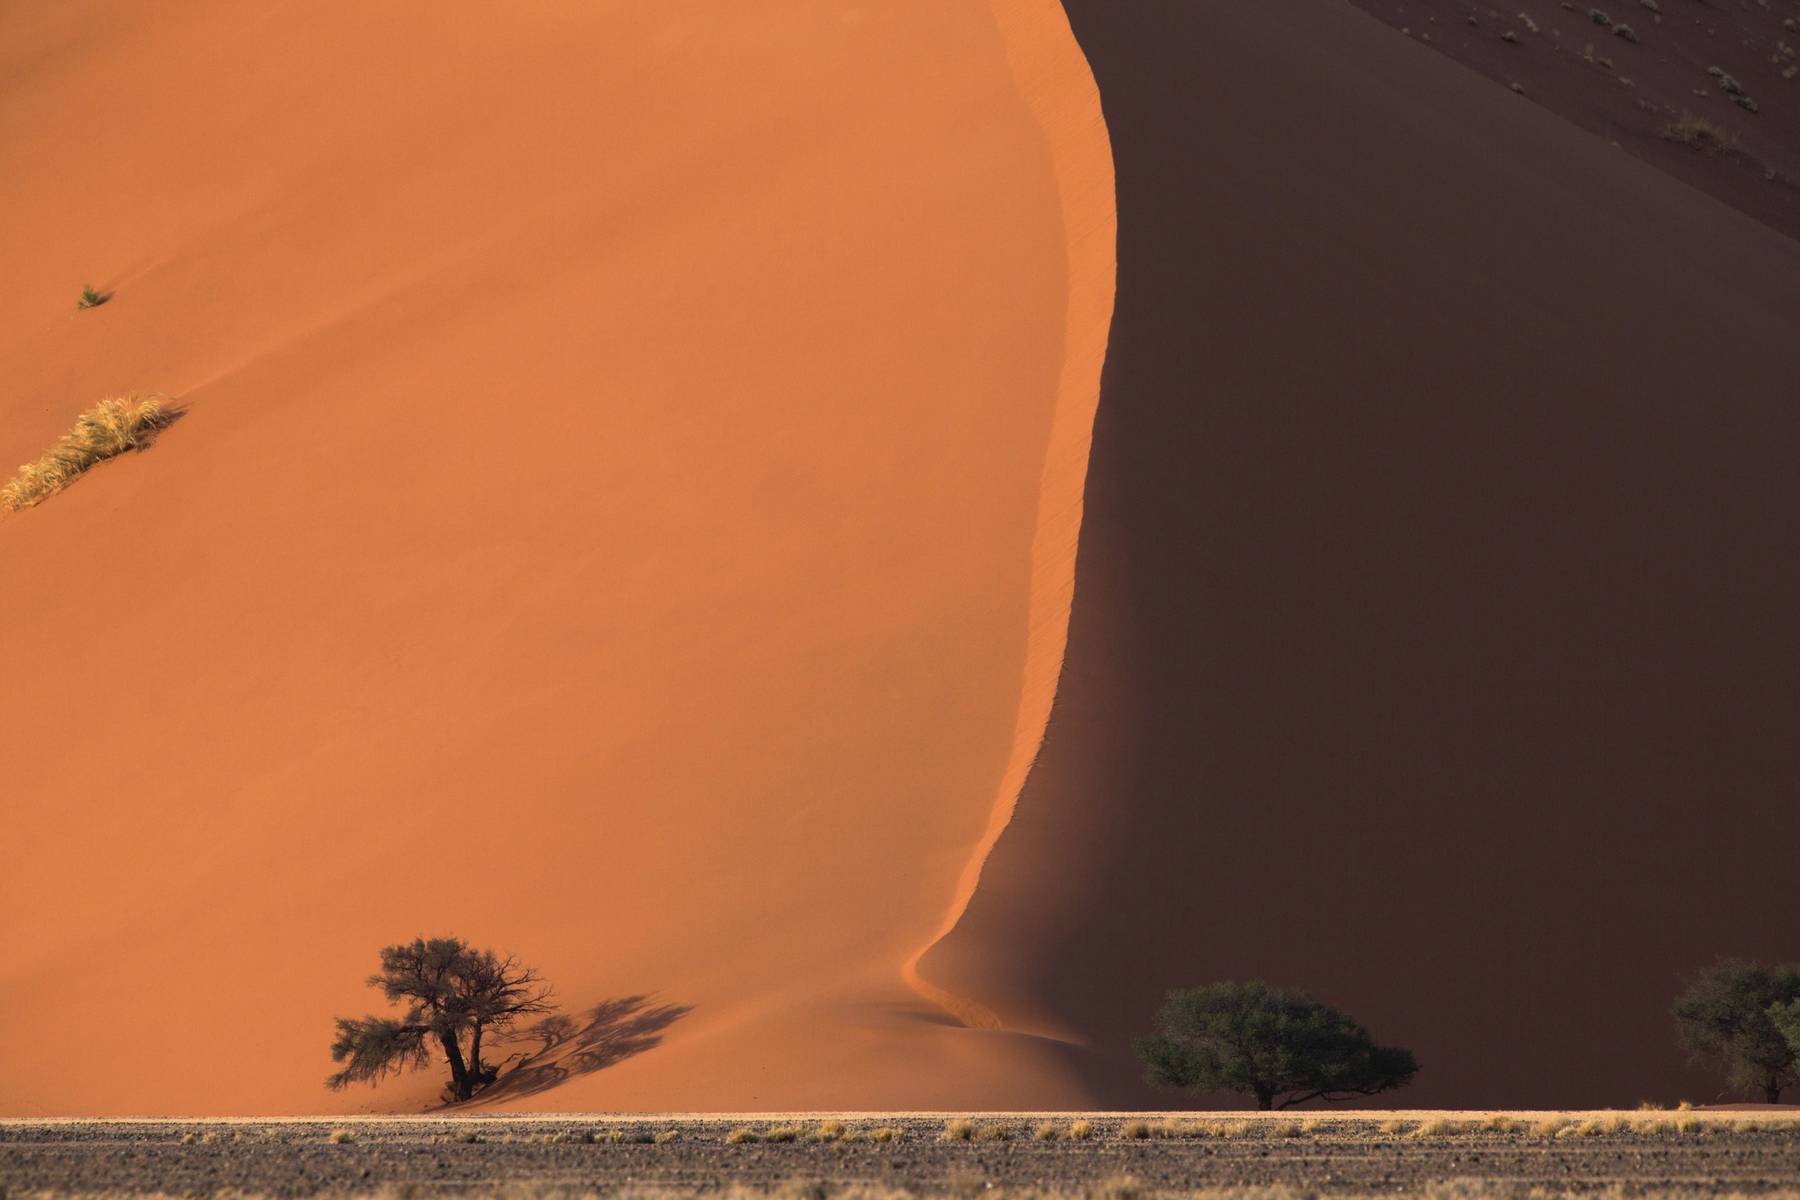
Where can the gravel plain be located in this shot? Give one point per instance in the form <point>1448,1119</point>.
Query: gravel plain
<point>1121,1156</point>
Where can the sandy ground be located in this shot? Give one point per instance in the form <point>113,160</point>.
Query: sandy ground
<point>624,514</point>
<point>1313,1154</point>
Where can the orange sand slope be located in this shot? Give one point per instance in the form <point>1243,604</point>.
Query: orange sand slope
<point>624,513</point>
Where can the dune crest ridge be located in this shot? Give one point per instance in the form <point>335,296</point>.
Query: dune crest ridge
<point>1045,58</point>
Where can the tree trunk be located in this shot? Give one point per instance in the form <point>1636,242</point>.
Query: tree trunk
<point>459,1074</point>
<point>1265,1100</point>
<point>1772,1089</point>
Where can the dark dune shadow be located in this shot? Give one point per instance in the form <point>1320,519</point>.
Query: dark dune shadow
<point>562,1047</point>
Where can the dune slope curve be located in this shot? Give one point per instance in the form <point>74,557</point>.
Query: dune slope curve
<point>1433,643</point>
<point>609,521</point>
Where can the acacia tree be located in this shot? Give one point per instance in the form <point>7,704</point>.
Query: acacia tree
<point>1277,1044</point>
<point>1729,1014</point>
<point>453,996</point>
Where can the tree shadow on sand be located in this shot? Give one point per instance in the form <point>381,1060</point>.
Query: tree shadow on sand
<point>561,1047</point>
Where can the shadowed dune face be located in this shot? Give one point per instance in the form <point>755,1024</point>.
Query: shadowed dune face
<point>1635,81</point>
<point>605,526</point>
<point>1434,645</point>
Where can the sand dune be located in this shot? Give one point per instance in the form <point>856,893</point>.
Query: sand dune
<point>627,508</point>
<point>624,513</point>
<point>1434,638</point>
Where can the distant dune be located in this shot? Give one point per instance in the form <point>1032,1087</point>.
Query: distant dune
<point>1434,643</point>
<point>611,521</point>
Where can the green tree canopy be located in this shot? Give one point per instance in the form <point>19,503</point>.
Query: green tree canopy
<point>1729,1014</point>
<point>1276,1044</point>
<point>453,995</point>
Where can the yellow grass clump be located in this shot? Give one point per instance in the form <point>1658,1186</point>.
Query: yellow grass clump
<point>110,428</point>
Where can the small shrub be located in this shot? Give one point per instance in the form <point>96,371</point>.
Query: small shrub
<point>1626,32</point>
<point>1049,1131</point>
<point>89,299</point>
<point>666,1136</point>
<point>957,1130</point>
<point>342,1137</point>
<point>1081,1131</point>
<point>1697,133</point>
<point>1396,1128</point>
<point>886,1133</point>
<point>1134,1131</point>
<point>739,1136</point>
<point>992,1133</point>
<point>1438,1127</point>
<point>781,1133</point>
<point>108,429</point>
<point>1500,1123</point>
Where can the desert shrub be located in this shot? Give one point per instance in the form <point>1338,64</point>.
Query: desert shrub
<point>108,429</point>
<point>1728,1014</point>
<point>886,1133</point>
<point>1697,133</point>
<point>664,1137</point>
<point>90,299</point>
<point>1134,1131</point>
<point>739,1136</point>
<point>993,1133</point>
<point>957,1130</point>
<point>1081,1131</point>
<point>1048,1131</point>
<point>341,1137</point>
<point>1277,1044</point>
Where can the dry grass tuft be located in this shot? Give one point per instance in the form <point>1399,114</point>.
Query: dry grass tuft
<point>1134,1131</point>
<point>342,1137</point>
<point>886,1133</point>
<point>666,1136</point>
<point>993,1133</point>
<point>1081,1131</point>
<point>739,1136</point>
<point>110,428</point>
<point>1048,1131</point>
<point>957,1130</point>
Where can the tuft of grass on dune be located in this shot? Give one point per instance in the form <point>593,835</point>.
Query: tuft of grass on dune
<point>107,430</point>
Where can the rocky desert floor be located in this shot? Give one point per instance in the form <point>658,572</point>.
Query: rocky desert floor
<point>1113,1155</point>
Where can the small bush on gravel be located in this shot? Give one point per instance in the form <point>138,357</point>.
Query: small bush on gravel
<point>957,1130</point>
<point>342,1137</point>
